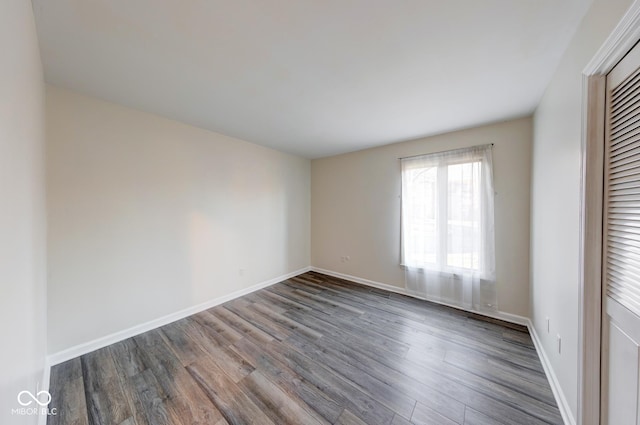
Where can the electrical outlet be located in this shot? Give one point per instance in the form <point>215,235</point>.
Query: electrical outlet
<point>548,325</point>
<point>559,344</point>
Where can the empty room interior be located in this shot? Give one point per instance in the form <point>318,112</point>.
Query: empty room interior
<point>320,212</point>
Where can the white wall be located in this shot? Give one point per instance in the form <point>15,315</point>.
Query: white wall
<point>22,209</point>
<point>355,208</point>
<point>148,216</point>
<point>555,196</point>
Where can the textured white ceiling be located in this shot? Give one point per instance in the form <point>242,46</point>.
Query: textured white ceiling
<point>313,78</point>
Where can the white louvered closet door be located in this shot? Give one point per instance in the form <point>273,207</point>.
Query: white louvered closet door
<point>621,310</point>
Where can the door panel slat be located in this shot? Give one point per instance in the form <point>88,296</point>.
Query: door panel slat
<point>621,143</point>
<point>625,169</point>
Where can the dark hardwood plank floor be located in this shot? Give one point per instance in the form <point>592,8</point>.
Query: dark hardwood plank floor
<point>312,350</point>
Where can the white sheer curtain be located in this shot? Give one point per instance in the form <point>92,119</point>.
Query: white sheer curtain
<point>448,227</point>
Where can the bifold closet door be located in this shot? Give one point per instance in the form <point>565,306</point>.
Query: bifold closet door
<point>621,251</point>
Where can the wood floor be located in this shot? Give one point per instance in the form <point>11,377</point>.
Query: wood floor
<point>312,350</point>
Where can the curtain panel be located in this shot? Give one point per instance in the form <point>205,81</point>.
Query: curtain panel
<point>448,248</point>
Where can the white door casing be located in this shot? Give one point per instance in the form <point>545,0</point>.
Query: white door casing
<point>620,41</point>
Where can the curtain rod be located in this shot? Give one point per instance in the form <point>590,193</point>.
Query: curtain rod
<point>452,150</point>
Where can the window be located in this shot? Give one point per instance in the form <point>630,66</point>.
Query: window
<point>447,212</point>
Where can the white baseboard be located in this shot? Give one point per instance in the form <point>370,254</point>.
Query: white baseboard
<point>501,315</point>
<point>561,400</point>
<point>87,347</point>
